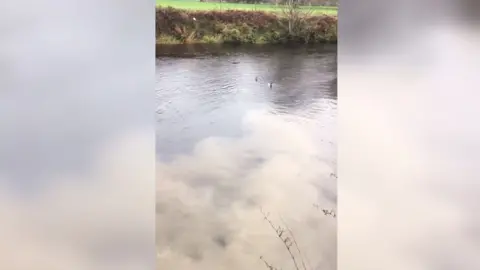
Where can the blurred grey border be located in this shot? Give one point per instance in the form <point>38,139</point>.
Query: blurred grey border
<point>390,23</point>
<point>76,134</point>
<point>408,135</point>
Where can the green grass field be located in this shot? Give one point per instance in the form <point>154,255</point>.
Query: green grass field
<point>197,5</point>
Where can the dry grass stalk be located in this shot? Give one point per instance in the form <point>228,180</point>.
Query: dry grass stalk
<point>285,237</point>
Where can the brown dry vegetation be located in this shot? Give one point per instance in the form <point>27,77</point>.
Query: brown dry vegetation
<point>238,26</point>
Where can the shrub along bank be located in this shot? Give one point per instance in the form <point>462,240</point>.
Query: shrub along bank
<point>239,26</point>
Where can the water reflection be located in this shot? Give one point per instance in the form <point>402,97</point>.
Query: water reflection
<point>208,96</point>
<point>228,145</point>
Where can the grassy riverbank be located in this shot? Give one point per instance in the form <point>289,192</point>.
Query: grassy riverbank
<point>221,6</point>
<point>175,26</point>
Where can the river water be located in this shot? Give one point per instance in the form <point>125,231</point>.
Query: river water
<point>232,150</point>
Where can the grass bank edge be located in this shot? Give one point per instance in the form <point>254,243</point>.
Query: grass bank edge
<point>199,6</point>
<point>181,26</point>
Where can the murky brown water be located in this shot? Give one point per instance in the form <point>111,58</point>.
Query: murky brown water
<point>229,145</point>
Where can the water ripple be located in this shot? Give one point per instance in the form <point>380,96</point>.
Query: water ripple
<point>209,96</point>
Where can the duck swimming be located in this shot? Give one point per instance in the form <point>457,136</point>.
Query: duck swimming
<point>270,84</point>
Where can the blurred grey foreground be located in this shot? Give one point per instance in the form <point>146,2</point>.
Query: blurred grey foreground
<point>409,135</point>
<point>76,136</point>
